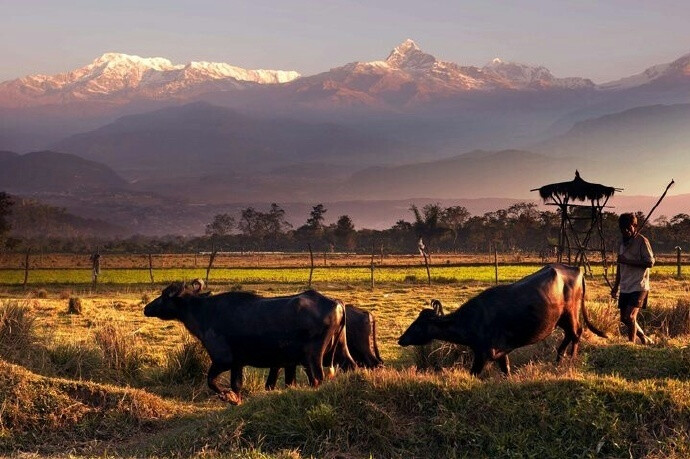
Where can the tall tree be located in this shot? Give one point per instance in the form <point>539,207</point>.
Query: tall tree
<point>345,232</point>
<point>454,218</point>
<point>222,225</point>
<point>427,222</point>
<point>316,218</point>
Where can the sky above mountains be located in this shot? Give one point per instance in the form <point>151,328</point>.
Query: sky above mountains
<point>598,40</point>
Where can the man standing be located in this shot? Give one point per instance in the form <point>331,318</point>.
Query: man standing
<point>635,258</point>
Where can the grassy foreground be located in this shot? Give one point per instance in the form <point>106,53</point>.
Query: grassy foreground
<point>537,413</point>
<point>110,382</point>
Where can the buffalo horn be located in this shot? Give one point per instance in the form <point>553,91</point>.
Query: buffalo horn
<point>437,306</point>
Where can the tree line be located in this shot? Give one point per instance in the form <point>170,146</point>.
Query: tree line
<point>522,227</point>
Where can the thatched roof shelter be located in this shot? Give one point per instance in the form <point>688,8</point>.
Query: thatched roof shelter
<point>578,189</point>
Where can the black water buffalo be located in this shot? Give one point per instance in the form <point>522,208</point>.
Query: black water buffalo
<point>507,317</point>
<point>239,329</point>
<point>361,343</point>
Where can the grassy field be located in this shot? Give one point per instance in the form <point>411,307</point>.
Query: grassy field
<point>109,381</point>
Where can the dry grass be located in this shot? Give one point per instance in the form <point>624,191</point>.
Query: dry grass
<point>616,398</point>
<point>121,350</point>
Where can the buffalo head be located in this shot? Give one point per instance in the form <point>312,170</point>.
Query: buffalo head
<point>166,305</point>
<point>420,331</point>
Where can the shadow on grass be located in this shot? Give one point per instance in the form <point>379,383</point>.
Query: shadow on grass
<point>636,362</point>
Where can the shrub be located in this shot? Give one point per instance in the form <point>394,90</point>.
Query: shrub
<point>17,333</point>
<point>410,279</point>
<point>188,363</point>
<point>74,306</point>
<point>76,360</point>
<point>65,294</point>
<point>121,351</point>
<point>42,293</point>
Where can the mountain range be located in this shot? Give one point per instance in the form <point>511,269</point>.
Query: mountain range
<point>139,137</point>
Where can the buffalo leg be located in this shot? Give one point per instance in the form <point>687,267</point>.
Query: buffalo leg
<point>213,372</point>
<point>572,332</point>
<point>479,363</point>
<point>576,343</point>
<point>290,376</point>
<point>236,380</point>
<point>504,364</point>
<point>272,378</point>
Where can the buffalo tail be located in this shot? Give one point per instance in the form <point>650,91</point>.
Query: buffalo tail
<point>589,324</point>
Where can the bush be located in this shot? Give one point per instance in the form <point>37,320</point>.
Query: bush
<point>121,352</point>
<point>17,333</point>
<point>74,306</point>
<point>188,363</point>
<point>42,293</point>
<point>410,279</point>
<point>76,360</point>
<point>65,294</point>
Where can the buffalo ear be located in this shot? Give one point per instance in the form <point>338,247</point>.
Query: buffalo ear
<point>437,306</point>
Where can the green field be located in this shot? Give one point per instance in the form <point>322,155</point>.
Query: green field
<point>330,275</point>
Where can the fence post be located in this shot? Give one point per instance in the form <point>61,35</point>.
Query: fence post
<point>214,252</point>
<point>372,266</point>
<point>496,263</point>
<point>311,266</point>
<point>678,250</point>
<point>26,267</point>
<point>151,267</point>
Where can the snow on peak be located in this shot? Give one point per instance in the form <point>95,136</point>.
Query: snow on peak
<point>408,55</point>
<point>122,77</point>
<point>496,60</point>
<point>678,68</point>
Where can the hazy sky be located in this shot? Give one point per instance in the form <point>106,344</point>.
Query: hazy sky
<point>601,40</point>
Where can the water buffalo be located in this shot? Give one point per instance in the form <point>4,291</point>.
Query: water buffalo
<point>507,317</point>
<point>240,328</point>
<point>361,342</point>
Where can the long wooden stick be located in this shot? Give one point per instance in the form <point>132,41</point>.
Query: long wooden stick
<point>668,187</point>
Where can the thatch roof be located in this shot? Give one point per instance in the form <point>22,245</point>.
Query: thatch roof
<point>578,189</point>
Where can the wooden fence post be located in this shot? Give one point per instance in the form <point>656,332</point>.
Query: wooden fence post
<point>26,267</point>
<point>214,252</point>
<point>372,266</point>
<point>151,267</point>
<point>311,266</point>
<point>496,262</point>
<point>678,272</point>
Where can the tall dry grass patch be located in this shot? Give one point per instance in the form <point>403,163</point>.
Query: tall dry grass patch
<point>188,363</point>
<point>669,321</point>
<point>17,334</point>
<point>122,351</point>
<point>76,360</point>
<point>438,355</point>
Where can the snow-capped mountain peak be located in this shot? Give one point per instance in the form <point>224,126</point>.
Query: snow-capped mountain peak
<point>408,55</point>
<point>680,68</point>
<point>120,78</point>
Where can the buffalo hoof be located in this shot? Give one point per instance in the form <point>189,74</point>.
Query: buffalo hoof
<point>330,373</point>
<point>230,397</point>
